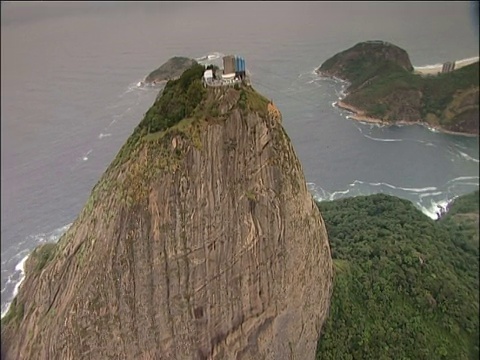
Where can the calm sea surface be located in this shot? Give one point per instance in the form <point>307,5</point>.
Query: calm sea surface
<point>69,99</point>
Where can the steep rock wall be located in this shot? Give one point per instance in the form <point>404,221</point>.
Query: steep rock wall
<point>204,244</point>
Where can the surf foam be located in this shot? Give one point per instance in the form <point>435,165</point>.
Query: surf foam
<point>468,157</point>
<point>102,135</point>
<point>16,278</point>
<point>431,200</point>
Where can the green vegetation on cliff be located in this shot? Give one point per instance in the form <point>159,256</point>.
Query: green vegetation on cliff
<point>406,287</point>
<point>185,101</point>
<point>384,86</point>
<point>464,205</point>
<point>365,61</point>
<point>178,101</point>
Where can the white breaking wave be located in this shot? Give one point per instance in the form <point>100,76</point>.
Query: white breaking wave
<point>18,275</point>
<point>461,146</point>
<point>427,143</point>
<point>461,178</point>
<point>382,140</point>
<point>115,118</point>
<point>373,125</point>
<point>85,157</point>
<point>431,200</point>
<point>364,123</point>
<point>320,194</point>
<point>102,135</point>
<point>417,190</point>
<point>317,192</point>
<point>432,129</point>
<point>434,209</point>
<point>344,192</point>
<point>421,196</point>
<point>20,268</point>
<point>141,86</point>
<point>137,85</point>
<point>468,157</point>
<point>14,280</point>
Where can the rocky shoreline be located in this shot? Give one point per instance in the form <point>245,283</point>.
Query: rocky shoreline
<point>359,115</point>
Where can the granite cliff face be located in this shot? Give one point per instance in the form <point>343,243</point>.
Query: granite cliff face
<point>200,241</point>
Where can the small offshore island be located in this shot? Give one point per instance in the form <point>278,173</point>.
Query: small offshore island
<point>170,70</point>
<point>384,88</point>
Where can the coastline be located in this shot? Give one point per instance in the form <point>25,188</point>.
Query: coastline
<point>359,115</point>
<point>437,69</point>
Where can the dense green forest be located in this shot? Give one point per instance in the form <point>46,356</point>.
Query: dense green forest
<point>406,286</point>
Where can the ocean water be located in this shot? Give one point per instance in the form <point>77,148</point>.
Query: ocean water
<point>71,95</point>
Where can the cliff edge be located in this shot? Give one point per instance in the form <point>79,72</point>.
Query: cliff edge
<point>200,241</point>
<point>383,88</point>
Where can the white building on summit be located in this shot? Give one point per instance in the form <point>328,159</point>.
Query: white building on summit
<point>208,75</point>
<point>234,72</point>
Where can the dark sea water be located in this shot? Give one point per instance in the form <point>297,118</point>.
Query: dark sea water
<point>69,99</point>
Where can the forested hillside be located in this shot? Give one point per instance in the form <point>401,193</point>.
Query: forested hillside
<point>406,287</point>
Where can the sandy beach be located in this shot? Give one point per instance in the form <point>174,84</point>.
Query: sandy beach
<point>436,69</point>
<point>359,115</point>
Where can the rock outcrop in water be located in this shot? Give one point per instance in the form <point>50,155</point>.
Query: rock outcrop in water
<point>200,241</point>
<point>384,89</point>
<point>170,70</point>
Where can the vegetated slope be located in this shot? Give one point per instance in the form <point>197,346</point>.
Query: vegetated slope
<point>363,61</point>
<point>463,217</point>
<point>384,86</point>
<point>170,70</point>
<point>200,241</point>
<point>406,287</point>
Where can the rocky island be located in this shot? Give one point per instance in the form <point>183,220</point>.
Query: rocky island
<point>200,241</point>
<point>383,88</point>
<point>170,70</point>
